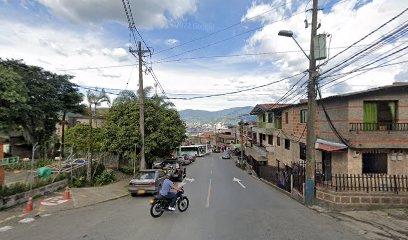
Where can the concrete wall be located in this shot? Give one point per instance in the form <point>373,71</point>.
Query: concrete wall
<point>360,200</point>
<point>19,198</point>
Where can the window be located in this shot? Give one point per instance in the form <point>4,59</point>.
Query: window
<point>286,117</point>
<point>379,115</point>
<point>270,139</point>
<point>278,141</point>
<point>302,151</point>
<point>278,122</point>
<point>303,116</point>
<point>264,117</point>
<point>263,137</point>
<point>374,163</point>
<point>270,117</point>
<point>287,144</point>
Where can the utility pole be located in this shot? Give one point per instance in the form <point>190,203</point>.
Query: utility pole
<point>241,133</point>
<point>311,116</point>
<point>141,110</point>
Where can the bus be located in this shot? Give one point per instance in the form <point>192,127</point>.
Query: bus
<point>192,150</point>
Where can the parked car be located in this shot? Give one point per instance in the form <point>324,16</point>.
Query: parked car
<point>146,181</point>
<point>157,164</point>
<point>175,168</point>
<point>183,160</point>
<point>226,155</point>
<point>190,157</point>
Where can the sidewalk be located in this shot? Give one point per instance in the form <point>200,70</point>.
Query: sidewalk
<point>80,197</point>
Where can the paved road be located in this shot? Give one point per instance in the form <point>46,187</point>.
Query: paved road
<point>220,209</point>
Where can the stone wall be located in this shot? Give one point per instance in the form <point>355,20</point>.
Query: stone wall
<point>9,201</point>
<point>360,200</point>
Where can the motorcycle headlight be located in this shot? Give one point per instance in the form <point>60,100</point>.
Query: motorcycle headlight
<point>151,201</point>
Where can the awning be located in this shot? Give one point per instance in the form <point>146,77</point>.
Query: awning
<point>255,155</point>
<point>237,145</point>
<point>329,146</point>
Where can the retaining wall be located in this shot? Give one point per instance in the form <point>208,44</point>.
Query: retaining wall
<point>9,201</point>
<point>360,200</point>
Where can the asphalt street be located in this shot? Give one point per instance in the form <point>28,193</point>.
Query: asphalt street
<point>219,209</point>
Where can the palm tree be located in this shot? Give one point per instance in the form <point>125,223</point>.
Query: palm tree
<point>94,98</point>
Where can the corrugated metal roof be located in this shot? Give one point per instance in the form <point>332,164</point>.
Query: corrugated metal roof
<point>266,107</point>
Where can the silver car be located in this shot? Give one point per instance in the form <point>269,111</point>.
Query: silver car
<point>146,181</point>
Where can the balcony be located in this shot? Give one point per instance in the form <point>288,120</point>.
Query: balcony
<point>362,127</point>
<point>378,135</point>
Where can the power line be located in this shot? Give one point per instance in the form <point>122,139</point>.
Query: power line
<point>370,33</point>
<point>221,30</point>
<point>226,39</point>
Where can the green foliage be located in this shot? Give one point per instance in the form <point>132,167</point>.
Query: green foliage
<point>78,138</point>
<point>27,165</point>
<point>106,177</point>
<point>78,181</point>
<point>164,130</point>
<point>126,170</point>
<point>99,169</point>
<point>13,97</point>
<point>45,94</point>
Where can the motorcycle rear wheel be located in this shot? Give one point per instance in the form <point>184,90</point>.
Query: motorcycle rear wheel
<point>155,210</point>
<point>183,204</point>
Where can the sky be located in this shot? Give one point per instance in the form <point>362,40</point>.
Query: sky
<point>200,48</point>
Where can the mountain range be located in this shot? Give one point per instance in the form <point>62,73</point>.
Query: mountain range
<point>223,117</point>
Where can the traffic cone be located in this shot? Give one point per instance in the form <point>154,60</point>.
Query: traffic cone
<point>67,194</point>
<point>29,206</point>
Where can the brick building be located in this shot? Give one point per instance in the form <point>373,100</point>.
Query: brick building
<point>373,125</point>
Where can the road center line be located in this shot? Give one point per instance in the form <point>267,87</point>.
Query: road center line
<point>209,195</point>
<point>211,172</point>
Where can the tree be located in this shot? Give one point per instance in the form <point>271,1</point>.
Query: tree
<point>13,98</point>
<point>164,130</point>
<point>45,98</point>
<point>94,98</point>
<point>77,138</point>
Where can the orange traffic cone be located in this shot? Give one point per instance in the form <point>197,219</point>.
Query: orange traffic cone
<point>67,194</point>
<point>29,206</point>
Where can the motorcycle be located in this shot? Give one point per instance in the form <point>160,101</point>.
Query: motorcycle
<point>160,204</point>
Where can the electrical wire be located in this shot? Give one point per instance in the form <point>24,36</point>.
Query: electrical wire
<point>226,39</point>
<point>221,30</point>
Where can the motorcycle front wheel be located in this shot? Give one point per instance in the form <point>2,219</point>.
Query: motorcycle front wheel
<point>156,210</point>
<point>183,204</point>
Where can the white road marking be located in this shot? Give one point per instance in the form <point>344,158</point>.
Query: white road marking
<point>209,195</point>
<point>239,182</point>
<point>46,215</point>
<point>189,179</point>
<point>5,228</point>
<point>211,172</point>
<point>26,220</point>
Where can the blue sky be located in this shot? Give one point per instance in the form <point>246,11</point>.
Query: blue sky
<point>68,35</point>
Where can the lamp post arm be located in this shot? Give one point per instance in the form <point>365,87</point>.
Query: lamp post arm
<point>301,48</point>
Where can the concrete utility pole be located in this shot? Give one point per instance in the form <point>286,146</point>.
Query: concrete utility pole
<point>311,116</point>
<point>241,133</point>
<point>141,102</point>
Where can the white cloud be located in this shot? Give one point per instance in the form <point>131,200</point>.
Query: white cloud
<point>146,13</point>
<point>171,42</point>
<point>345,22</point>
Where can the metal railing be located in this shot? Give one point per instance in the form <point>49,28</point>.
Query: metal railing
<point>366,183</point>
<point>357,127</point>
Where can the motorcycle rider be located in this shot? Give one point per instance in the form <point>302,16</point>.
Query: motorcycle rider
<point>166,193</point>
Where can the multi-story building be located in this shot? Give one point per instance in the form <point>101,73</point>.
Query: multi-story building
<point>357,133</point>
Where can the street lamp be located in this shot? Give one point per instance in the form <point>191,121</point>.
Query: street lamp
<point>288,33</point>
<point>311,110</point>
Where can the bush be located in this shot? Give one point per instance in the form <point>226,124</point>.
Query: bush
<point>78,182</point>
<point>99,169</point>
<point>106,177</point>
<point>126,170</point>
